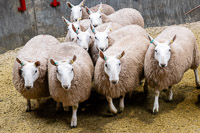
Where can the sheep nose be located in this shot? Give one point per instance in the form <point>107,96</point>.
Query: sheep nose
<point>28,87</point>
<point>95,25</point>
<point>114,81</point>
<point>163,65</point>
<point>75,20</point>
<point>102,49</point>
<point>65,87</point>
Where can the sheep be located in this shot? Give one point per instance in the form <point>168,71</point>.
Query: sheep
<point>100,39</point>
<point>105,9</point>
<point>30,68</point>
<point>83,39</point>
<point>102,43</point>
<point>70,72</point>
<point>172,53</point>
<point>125,16</point>
<point>120,68</point>
<point>70,34</point>
<point>78,12</point>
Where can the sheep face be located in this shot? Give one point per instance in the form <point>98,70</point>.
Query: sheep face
<point>162,51</point>
<point>76,11</point>
<point>64,72</point>
<point>71,33</point>
<point>112,66</point>
<point>95,18</point>
<point>29,72</point>
<point>101,38</point>
<point>83,39</point>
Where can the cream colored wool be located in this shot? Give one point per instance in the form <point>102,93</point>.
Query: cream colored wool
<point>36,49</point>
<point>132,64</point>
<point>184,55</point>
<point>83,72</point>
<point>125,16</point>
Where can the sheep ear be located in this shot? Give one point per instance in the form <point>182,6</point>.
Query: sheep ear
<point>82,3</point>
<point>108,29</point>
<point>92,29</point>
<point>55,63</point>
<point>65,21</point>
<point>102,55</point>
<point>100,8</point>
<point>73,59</point>
<point>21,62</point>
<point>37,63</point>
<point>152,40</point>
<point>69,4</point>
<point>74,29</point>
<point>121,55</point>
<point>172,40</point>
<point>88,10</point>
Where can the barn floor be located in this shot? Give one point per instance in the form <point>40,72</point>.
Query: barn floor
<point>181,115</point>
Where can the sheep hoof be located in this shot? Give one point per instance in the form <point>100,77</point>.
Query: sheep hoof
<point>198,87</point>
<point>121,109</point>
<point>28,110</point>
<point>73,126</point>
<point>114,112</point>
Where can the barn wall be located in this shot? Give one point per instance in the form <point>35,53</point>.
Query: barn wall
<point>17,28</point>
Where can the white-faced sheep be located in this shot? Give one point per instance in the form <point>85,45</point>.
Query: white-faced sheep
<point>79,13</point>
<point>172,53</point>
<point>120,68</point>
<point>102,42</point>
<point>125,16</point>
<point>30,68</point>
<point>71,35</point>
<point>70,72</point>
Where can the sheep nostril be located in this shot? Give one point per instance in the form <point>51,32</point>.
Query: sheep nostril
<point>72,39</point>
<point>75,20</point>
<point>163,65</point>
<point>95,26</point>
<point>114,81</point>
<point>66,87</point>
<point>85,49</point>
<point>28,87</point>
<point>102,49</point>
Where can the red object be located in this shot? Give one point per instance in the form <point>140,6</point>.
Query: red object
<point>55,3</point>
<point>23,6</point>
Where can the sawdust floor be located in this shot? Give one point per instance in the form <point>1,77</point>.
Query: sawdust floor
<point>181,115</point>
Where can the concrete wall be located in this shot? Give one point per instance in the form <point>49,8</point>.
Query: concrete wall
<point>17,28</point>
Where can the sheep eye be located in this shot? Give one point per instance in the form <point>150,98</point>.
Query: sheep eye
<point>89,17</point>
<point>107,37</point>
<point>67,28</point>
<point>95,37</point>
<point>78,28</point>
<point>90,37</point>
<point>57,71</point>
<point>156,51</point>
<point>169,50</point>
<point>106,65</point>
<point>35,71</point>
<point>99,16</point>
<point>80,10</point>
<point>78,38</point>
<point>72,69</point>
<point>119,64</point>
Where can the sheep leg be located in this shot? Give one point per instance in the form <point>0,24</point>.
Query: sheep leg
<point>58,106</point>
<point>156,104</point>
<point>28,106</point>
<point>74,116</point>
<point>197,78</point>
<point>170,93</point>
<point>121,103</point>
<point>111,105</point>
<point>146,89</point>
